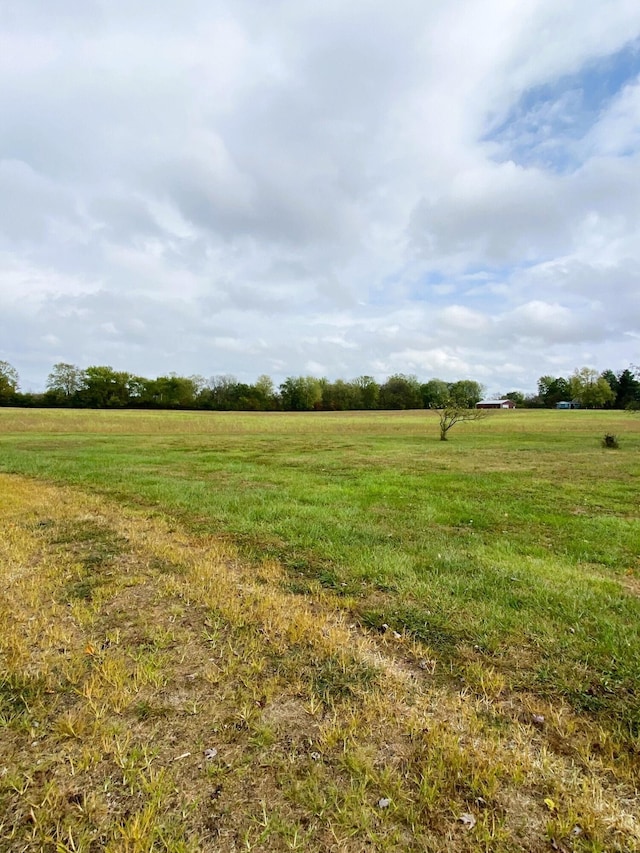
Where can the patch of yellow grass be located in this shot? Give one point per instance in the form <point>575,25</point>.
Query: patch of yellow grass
<point>158,693</point>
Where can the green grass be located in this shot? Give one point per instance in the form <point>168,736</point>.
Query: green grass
<point>349,610</point>
<point>520,537</point>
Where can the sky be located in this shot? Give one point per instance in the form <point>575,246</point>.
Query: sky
<point>449,188</point>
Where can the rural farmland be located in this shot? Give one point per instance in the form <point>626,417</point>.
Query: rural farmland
<point>319,631</point>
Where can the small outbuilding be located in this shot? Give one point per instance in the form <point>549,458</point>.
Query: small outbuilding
<point>495,404</point>
<point>567,404</point>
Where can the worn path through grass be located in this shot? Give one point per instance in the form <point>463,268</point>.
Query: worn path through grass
<point>160,691</point>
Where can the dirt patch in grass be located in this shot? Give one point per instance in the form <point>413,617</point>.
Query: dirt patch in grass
<point>631,582</point>
<point>190,702</point>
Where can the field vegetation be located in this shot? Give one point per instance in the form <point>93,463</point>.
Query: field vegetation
<point>319,631</point>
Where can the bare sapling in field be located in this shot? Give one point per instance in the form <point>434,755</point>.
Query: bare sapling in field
<point>452,414</point>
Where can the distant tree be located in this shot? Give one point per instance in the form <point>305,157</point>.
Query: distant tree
<point>105,388</point>
<point>452,414</point>
<point>142,391</point>
<point>334,397</point>
<point>222,392</point>
<point>544,385</point>
<point>533,401</point>
<point>265,392</point>
<point>199,384</point>
<point>553,389</point>
<point>435,393</point>
<point>627,390</point>
<point>30,401</point>
<point>227,393</point>
<point>301,393</point>
<point>613,382</point>
<point>369,392</point>
<point>517,397</point>
<point>175,392</point>
<point>400,392</point>
<point>9,382</point>
<point>64,382</point>
<point>591,390</point>
<point>465,393</point>
<point>243,398</point>
<point>341,396</point>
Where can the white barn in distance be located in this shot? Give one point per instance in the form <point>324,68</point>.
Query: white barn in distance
<point>495,404</point>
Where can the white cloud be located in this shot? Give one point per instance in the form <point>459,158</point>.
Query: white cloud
<point>459,319</point>
<point>217,187</point>
<point>618,131</point>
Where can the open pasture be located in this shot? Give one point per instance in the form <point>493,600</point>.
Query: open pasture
<point>390,642</point>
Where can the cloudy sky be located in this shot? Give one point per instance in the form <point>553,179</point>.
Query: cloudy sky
<point>447,188</point>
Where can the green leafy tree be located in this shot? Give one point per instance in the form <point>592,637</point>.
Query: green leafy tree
<point>65,382</point>
<point>248,398</point>
<point>517,397</point>
<point>265,392</point>
<point>627,390</point>
<point>532,401</point>
<point>199,385</point>
<point>301,393</point>
<point>435,393</point>
<point>9,382</point>
<point>465,393</point>
<point>613,382</point>
<point>105,388</point>
<point>369,392</point>
<point>231,395</point>
<point>590,389</point>
<point>175,392</point>
<point>400,392</point>
<point>341,396</point>
<point>222,392</point>
<point>141,391</point>
<point>553,389</point>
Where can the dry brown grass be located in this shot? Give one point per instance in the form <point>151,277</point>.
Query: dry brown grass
<point>130,648</point>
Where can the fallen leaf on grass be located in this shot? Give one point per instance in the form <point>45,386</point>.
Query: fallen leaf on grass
<point>468,820</point>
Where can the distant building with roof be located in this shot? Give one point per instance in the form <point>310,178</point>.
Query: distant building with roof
<point>495,404</point>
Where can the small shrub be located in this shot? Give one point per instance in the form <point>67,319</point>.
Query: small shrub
<point>610,440</point>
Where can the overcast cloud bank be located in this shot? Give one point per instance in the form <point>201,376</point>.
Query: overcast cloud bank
<point>449,189</point>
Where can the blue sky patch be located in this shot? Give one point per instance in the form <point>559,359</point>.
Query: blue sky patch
<point>546,124</point>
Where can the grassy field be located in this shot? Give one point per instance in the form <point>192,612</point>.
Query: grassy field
<point>319,632</point>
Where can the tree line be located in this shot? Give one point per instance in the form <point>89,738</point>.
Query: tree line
<point>592,390</point>
<point>102,387</point>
